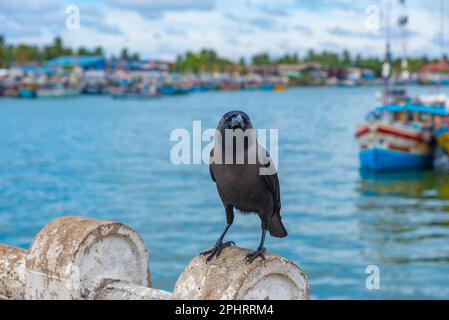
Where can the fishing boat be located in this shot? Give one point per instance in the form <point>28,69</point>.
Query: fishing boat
<point>94,82</point>
<point>173,90</point>
<point>442,137</point>
<point>250,85</point>
<point>280,87</point>
<point>133,95</point>
<point>10,90</point>
<point>229,85</point>
<point>93,88</point>
<point>56,91</point>
<point>398,137</point>
<point>441,154</point>
<point>266,86</point>
<point>398,134</point>
<point>27,88</point>
<point>199,88</point>
<point>27,92</point>
<point>134,92</point>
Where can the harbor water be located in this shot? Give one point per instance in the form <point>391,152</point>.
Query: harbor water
<point>110,159</point>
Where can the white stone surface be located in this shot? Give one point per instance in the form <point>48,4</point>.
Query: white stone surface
<point>12,272</point>
<point>122,290</point>
<point>230,277</point>
<point>71,256</point>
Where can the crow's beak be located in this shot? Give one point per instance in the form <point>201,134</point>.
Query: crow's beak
<point>237,122</point>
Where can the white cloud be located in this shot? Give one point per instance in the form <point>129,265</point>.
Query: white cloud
<point>163,29</point>
<point>156,8</point>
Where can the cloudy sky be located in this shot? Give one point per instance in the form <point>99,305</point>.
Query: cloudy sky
<point>165,28</point>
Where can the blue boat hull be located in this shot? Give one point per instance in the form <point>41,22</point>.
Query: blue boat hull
<point>387,160</point>
<point>26,93</point>
<point>169,90</point>
<point>266,87</point>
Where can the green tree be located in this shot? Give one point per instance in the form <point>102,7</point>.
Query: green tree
<point>56,49</point>
<point>82,51</point>
<point>4,54</point>
<point>207,60</point>
<point>288,59</point>
<point>135,57</point>
<point>98,51</point>
<point>124,54</point>
<point>23,54</point>
<point>346,59</point>
<point>310,56</point>
<point>261,59</point>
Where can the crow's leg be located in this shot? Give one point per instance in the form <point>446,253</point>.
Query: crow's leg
<point>260,252</point>
<point>219,245</point>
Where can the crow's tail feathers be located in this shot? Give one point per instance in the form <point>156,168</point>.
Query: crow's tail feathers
<point>276,227</point>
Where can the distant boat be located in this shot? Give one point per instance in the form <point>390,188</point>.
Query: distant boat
<point>133,95</point>
<point>145,92</point>
<point>57,91</point>
<point>229,86</point>
<point>10,91</point>
<point>397,137</point>
<point>441,156</point>
<point>94,88</point>
<point>347,83</point>
<point>442,137</point>
<point>280,87</point>
<point>199,88</point>
<point>26,92</point>
<point>173,90</point>
<point>266,87</point>
<point>250,85</point>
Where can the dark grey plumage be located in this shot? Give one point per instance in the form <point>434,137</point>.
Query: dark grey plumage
<point>242,186</point>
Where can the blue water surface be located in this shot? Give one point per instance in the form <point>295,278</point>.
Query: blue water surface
<point>110,159</point>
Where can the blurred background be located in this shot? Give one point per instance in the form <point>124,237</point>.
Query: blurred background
<point>91,90</point>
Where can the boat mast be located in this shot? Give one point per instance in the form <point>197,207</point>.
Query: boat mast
<point>386,68</point>
<point>442,31</point>
<point>403,21</point>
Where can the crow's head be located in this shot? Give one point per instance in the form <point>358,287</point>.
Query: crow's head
<point>235,120</point>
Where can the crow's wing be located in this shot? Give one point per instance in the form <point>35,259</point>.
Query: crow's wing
<point>210,166</point>
<point>272,182</point>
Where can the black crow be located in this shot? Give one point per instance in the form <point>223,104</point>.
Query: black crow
<point>246,180</point>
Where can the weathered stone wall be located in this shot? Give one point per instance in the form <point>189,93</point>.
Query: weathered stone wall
<point>82,258</point>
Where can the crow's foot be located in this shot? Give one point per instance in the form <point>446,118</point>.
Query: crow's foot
<point>216,250</point>
<point>254,255</point>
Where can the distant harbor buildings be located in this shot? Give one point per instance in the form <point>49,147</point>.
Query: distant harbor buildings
<point>135,78</point>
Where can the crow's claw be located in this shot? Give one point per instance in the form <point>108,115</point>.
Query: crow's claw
<point>254,255</point>
<point>216,250</point>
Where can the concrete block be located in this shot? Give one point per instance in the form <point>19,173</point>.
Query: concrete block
<point>71,256</point>
<point>230,277</point>
<point>12,272</point>
<point>122,290</point>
